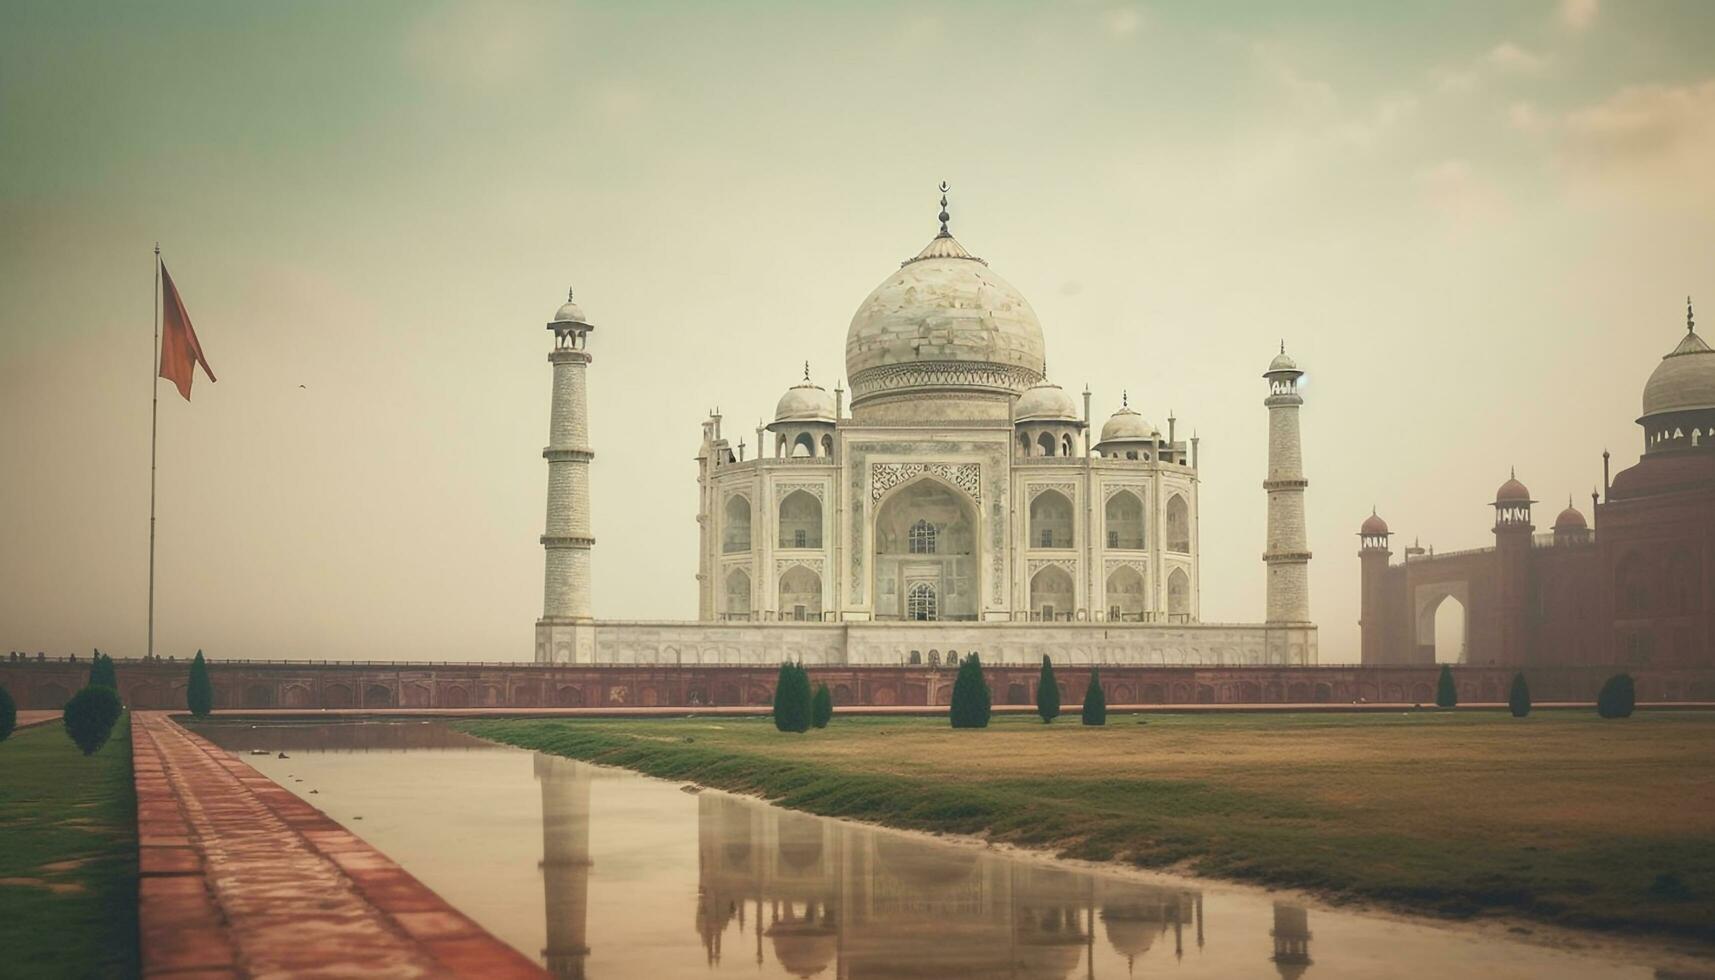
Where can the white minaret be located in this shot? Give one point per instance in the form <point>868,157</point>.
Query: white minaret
<point>1288,554</point>
<point>564,633</point>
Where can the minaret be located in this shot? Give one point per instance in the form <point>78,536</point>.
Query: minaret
<point>1513,537</point>
<point>1288,555</point>
<point>1373,557</point>
<point>563,634</point>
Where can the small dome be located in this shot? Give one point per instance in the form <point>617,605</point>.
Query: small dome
<point>1282,362</point>
<point>1684,381</point>
<point>805,401</point>
<point>1046,402</point>
<point>1512,491</point>
<point>1373,524</point>
<point>569,312</point>
<point>1126,425</point>
<point>1570,519</point>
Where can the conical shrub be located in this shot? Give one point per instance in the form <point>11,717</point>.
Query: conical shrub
<point>101,672</point>
<point>792,699</point>
<point>1047,692</point>
<point>822,707</point>
<point>199,696</point>
<point>1446,694</point>
<point>1619,696</point>
<point>1095,702</point>
<point>8,714</point>
<point>970,707</point>
<point>1518,699</point>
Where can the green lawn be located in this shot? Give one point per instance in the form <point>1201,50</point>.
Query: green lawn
<point>68,856</point>
<point>1561,816</point>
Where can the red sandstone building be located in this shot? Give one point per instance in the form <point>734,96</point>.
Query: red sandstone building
<point>1637,589</point>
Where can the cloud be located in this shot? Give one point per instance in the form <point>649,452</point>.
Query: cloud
<point>1662,136</point>
<point>1123,21</point>
<point>1307,94</point>
<point>1578,14</point>
<point>482,45</point>
<point>1508,56</point>
<point>1460,193</point>
<point>1526,118</point>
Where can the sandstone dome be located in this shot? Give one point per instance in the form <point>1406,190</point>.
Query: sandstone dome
<point>1046,402</point>
<point>944,320</point>
<point>1373,524</point>
<point>1684,381</point>
<point>1513,491</point>
<point>1570,519</point>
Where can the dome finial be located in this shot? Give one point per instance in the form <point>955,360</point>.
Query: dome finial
<point>1125,399</point>
<point>1690,324</point>
<point>568,294</point>
<point>1512,472</point>
<point>944,216</point>
<point>806,370</point>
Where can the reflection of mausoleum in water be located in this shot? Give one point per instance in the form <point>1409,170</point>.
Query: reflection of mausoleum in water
<point>823,898</point>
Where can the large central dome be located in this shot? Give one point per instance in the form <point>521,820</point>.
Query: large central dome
<point>945,320</point>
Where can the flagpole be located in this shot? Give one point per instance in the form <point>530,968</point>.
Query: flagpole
<point>154,418</point>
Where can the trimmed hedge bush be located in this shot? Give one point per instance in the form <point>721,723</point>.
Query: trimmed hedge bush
<point>792,699</point>
<point>1619,696</point>
<point>1518,699</point>
<point>199,697</point>
<point>1095,702</point>
<point>8,714</point>
<point>1446,694</point>
<point>90,715</point>
<point>1047,692</point>
<point>970,707</point>
<point>822,707</point>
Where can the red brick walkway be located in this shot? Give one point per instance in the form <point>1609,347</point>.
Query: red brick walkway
<point>239,877</point>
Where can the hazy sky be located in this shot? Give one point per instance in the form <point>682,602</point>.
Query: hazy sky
<point>1475,225</point>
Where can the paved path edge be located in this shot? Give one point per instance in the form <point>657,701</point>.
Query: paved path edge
<point>181,925</point>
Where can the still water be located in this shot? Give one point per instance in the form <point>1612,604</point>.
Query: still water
<point>607,874</point>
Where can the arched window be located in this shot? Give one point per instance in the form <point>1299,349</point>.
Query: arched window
<point>804,445</point>
<point>738,594</point>
<point>736,535</point>
<point>915,659</point>
<point>1179,593</point>
<point>1051,593</point>
<point>800,520</point>
<point>1124,518</point>
<point>922,538</point>
<point>1178,525</point>
<point>1065,445</point>
<point>1050,520</point>
<point>827,445</point>
<point>1024,444</point>
<point>920,604</point>
<point>1045,443</point>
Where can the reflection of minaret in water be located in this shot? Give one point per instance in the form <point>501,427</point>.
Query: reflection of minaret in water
<point>565,862</point>
<point>1291,940</point>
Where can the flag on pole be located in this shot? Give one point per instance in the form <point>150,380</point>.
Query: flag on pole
<point>180,351</point>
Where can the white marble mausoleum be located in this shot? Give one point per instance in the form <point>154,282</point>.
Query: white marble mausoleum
<point>962,501</point>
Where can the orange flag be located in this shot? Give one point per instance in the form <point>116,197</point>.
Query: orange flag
<point>180,351</point>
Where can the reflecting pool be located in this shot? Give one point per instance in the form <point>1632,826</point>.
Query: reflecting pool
<point>607,874</point>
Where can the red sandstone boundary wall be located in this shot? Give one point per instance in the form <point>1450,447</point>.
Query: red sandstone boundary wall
<point>276,684</point>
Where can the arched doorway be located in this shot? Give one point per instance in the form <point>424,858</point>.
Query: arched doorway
<point>1178,593</point>
<point>800,594</point>
<point>1178,525</point>
<point>738,594</point>
<point>1125,593</point>
<point>1051,594</point>
<point>1050,521</point>
<point>1123,516</point>
<point>927,554</point>
<point>1443,627</point>
<point>735,532</point>
<point>800,520</point>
